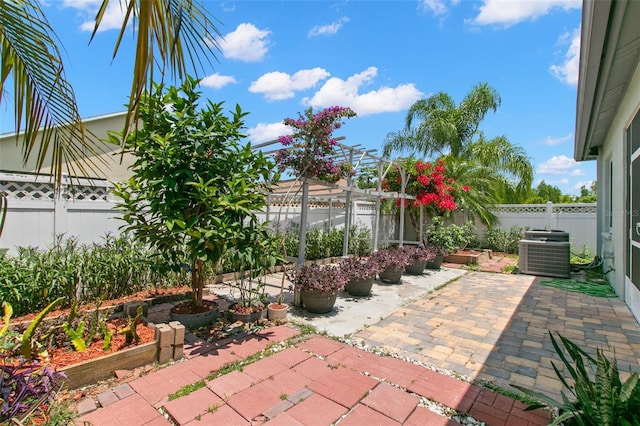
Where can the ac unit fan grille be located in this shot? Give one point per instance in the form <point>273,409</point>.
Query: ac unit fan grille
<point>544,258</point>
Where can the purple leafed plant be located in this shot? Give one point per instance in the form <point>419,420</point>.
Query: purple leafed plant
<point>361,268</point>
<point>319,279</point>
<point>25,386</point>
<point>393,257</point>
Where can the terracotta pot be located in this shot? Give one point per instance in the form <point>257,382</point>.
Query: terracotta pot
<point>199,319</point>
<point>417,267</point>
<point>247,316</point>
<point>277,311</point>
<point>318,303</point>
<point>391,275</point>
<point>356,287</point>
<point>435,263</point>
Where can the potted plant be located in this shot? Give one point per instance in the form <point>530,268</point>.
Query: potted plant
<point>392,263</point>
<point>361,272</point>
<point>439,252</point>
<point>420,255</point>
<point>195,188</point>
<point>319,286</point>
<point>252,264</point>
<point>451,237</point>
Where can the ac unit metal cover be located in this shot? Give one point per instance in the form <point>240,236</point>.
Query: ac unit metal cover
<point>547,258</point>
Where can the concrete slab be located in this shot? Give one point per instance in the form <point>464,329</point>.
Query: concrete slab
<point>351,314</point>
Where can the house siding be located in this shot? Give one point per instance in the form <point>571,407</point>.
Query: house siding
<point>614,248</point>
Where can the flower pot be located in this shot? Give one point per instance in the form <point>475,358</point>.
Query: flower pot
<point>357,287</point>
<point>277,311</point>
<point>247,316</point>
<point>391,275</point>
<point>435,263</point>
<point>198,319</point>
<point>417,267</point>
<point>318,303</point>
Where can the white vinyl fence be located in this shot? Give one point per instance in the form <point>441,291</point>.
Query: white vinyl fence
<point>86,211</point>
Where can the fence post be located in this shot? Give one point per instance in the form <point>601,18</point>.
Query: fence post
<point>549,225</point>
<point>60,200</point>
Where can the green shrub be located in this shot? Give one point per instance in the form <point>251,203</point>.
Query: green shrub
<point>452,237</point>
<point>498,239</point>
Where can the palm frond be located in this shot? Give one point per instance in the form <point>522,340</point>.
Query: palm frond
<point>44,102</point>
<point>174,35</point>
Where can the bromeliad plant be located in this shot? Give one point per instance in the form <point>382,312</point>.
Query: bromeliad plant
<point>597,396</point>
<point>310,149</point>
<point>195,188</point>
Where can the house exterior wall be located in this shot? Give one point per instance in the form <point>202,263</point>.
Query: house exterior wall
<point>612,219</point>
<point>112,170</point>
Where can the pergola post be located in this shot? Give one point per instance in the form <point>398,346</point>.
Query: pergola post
<point>297,301</point>
<point>347,211</point>
<point>403,188</point>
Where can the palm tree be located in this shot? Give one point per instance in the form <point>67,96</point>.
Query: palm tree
<point>173,35</point>
<point>436,126</point>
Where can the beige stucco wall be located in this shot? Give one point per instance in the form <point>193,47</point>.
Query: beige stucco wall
<point>112,170</point>
<point>613,249</point>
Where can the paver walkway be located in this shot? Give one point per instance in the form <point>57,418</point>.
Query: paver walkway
<point>487,326</point>
<point>318,381</point>
<point>495,327</point>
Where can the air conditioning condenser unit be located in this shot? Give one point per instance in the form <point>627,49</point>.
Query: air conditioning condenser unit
<point>547,258</point>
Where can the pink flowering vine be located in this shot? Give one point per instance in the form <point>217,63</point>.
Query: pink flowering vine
<point>311,149</point>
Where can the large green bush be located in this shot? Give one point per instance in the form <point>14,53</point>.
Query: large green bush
<point>504,241</point>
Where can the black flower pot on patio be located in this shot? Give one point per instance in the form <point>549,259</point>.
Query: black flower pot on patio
<point>317,302</point>
<point>391,275</point>
<point>417,267</point>
<point>358,287</point>
<point>435,263</point>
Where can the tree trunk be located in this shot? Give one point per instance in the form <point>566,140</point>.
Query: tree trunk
<point>197,282</point>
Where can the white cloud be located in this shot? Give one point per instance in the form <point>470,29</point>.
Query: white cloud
<point>551,141</point>
<point>278,85</point>
<point>557,165</point>
<point>247,43</point>
<point>577,172</point>
<point>265,132</point>
<point>112,18</point>
<point>330,29</point>
<point>437,7</point>
<point>567,71</point>
<point>217,81</point>
<point>336,91</point>
<point>506,13</point>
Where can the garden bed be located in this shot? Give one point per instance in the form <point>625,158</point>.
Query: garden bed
<point>468,257</point>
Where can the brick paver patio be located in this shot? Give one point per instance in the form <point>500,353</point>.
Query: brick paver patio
<point>486,326</point>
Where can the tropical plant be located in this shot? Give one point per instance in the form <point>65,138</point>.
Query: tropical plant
<point>194,190</point>
<point>310,150</point>
<point>597,396</point>
<point>112,268</point>
<point>437,127</point>
<point>173,36</point>
<point>319,278</point>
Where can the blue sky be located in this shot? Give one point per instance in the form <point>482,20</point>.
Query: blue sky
<point>377,57</point>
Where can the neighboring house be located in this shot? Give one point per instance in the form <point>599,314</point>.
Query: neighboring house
<point>608,130</point>
<point>11,152</point>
